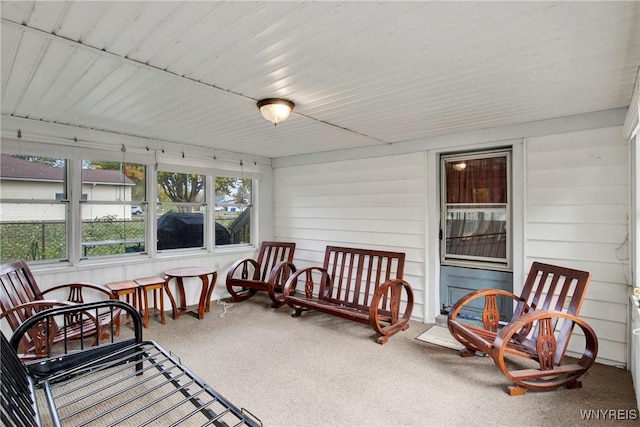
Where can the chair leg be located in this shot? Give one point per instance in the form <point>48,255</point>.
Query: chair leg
<point>516,390</point>
<point>574,384</point>
<point>146,306</point>
<point>467,352</point>
<point>161,292</point>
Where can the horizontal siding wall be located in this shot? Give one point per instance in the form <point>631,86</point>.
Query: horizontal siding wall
<point>577,199</point>
<point>375,203</point>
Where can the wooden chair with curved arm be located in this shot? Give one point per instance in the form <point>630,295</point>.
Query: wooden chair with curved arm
<point>21,298</point>
<point>268,273</point>
<point>540,329</point>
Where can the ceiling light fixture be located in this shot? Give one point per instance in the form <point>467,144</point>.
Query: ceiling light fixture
<point>459,166</point>
<point>275,109</point>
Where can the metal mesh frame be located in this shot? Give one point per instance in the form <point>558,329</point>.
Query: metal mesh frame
<point>131,382</point>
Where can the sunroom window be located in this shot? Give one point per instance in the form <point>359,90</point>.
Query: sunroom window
<point>476,213</point>
<point>234,206</point>
<point>113,196</point>
<point>182,210</point>
<point>33,218</point>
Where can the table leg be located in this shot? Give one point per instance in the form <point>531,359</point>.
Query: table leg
<point>214,279</point>
<point>183,298</point>
<point>202,304</point>
<point>171,298</point>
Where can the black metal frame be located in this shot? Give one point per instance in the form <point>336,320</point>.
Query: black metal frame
<point>95,385</point>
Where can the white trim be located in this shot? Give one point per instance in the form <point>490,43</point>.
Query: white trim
<point>463,141</point>
<point>432,176</point>
<point>518,213</point>
<point>432,275</point>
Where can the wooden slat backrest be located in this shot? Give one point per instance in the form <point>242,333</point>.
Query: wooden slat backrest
<point>17,286</point>
<point>551,287</point>
<point>354,274</point>
<point>270,254</point>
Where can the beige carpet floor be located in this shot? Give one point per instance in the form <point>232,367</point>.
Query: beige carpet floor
<point>320,370</point>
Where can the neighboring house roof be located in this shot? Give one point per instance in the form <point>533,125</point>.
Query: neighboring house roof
<point>19,169</point>
<point>224,199</point>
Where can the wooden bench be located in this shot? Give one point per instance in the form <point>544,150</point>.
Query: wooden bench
<point>268,273</point>
<point>362,285</point>
<point>540,329</point>
<point>126,381</point>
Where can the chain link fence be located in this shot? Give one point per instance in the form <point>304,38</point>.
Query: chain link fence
<point>47,240</point>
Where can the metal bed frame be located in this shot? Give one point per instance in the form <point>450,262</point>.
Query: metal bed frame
<point>120,382</point>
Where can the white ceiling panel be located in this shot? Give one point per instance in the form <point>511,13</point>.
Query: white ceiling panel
<point>361,73</point>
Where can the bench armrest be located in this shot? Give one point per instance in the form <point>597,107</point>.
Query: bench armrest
<point>386,313</point>
<point>309,284</point>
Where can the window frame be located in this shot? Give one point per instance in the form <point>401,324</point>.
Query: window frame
<point>120,201</point>
<point>470,261</point>
<point>152,161</point>
<point>250,206</point>
<point>63,201</point>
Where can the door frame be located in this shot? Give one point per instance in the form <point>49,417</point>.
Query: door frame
<point>433,212</point>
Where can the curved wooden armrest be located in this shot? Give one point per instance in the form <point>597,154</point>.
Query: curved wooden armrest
<point>244,263</point>
<point>470,336</point>
<point>38,339</point>
<point>38,333</point>
<point>290,285</point>
<point>32,307</point>
<point>459,305</point>
<point>277,279</point>
<point>282,270</point>
<point>392,289</point>
<point>75,290</point>
<point>385,316</point>
<point>526,321</point>
<point>546,349</point>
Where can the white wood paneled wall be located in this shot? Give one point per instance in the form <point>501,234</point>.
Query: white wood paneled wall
<point>375,203</point>
<point>577,215</point>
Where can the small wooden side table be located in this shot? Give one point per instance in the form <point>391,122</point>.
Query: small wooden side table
<point>155,284</point>
<point>205,294</point>
<point>128,289</point>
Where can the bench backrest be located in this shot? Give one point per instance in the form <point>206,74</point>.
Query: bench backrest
<point>270,254</point>
<point>354,274</point>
